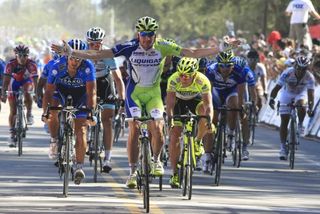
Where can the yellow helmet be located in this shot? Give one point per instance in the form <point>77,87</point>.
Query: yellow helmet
<point>187,65</point>
<point>146,23</point>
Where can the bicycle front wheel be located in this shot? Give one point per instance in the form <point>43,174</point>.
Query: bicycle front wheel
<point>218,157</point>
<point>292,143</point>
<point>66,164</point>
<point>96,152</point>
<point>145,173</point>
<point>190,168</point>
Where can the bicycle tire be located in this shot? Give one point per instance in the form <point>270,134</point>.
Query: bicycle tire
<point>189,168</point>
<point>19,131</point>
<point>117,131</point>
<point>96,152</point>
<point>145,174</point>
<point>292,143</point>
<point>218,157</point>
<point>66,164</point>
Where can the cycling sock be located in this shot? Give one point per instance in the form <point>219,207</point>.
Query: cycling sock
<point>107,155</point>
<point>207,156</point>
<point>133,168</point>
<point>156,158</point>
<point>231,132</point>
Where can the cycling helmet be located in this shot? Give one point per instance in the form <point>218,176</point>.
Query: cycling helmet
<point>146,23</point>
<point>253,54</point>
<point>302,61</point>
<point>22,49</point>
<point>77,44</point>
<point>95,34</point>
<point>187,65</point>
<point>225,57</point>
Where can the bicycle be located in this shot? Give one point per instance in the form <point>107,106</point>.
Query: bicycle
<point>294,136</point>
<point>187,160</point>
<point>252,117</point>
<point>66,154</point>
<point>118,123</point>
<point>96,146</point>
<point>21,125</point>
<point>220,150</point>
<point>144,175</point>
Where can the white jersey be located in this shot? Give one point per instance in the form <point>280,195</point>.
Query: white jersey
<point>292,85</point>
<point>300,11</point>
<point>104,66</point>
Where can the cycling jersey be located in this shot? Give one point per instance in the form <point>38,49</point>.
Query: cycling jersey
<point>47,68</point>
<point>144,69</point>
<point>144,64</point>
<point>21,72</point>
<point>104,66</point>
<point>223,89</point>
<point>292,85</point>
<point>74,86</point>
<point>200,85</point>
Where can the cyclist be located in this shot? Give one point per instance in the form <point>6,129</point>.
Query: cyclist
<point>297,84</point>
<point>106,74</point>
<point>187,88</point>
<point>75,77</point>
<point>41,101</point>
<point>260,74</point>
<point>229,87</point>
<point>144,55</point>
<point>19,72</point>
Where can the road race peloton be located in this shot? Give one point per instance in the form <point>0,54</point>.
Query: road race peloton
<point>145,55</point>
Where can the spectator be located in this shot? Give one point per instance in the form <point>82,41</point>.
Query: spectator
<point>299,11</point>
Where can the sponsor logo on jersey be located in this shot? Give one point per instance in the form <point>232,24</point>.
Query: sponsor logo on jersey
<point>72,81</point>
<point>136,53</point>
<point>145,61</point>
<point>298,6</point>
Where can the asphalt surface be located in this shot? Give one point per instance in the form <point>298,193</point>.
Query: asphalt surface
<point>264,184</point>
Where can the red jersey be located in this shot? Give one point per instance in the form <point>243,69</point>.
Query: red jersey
<point>21,72</point>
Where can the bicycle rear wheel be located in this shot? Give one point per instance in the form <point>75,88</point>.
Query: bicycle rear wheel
<point>66,164</point>
<point>292,143</point>
<point>145,174</point>
<point>236,153</point>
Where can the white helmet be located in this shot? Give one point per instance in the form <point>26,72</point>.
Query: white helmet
<point>302,61</point>
<point>95,34</point>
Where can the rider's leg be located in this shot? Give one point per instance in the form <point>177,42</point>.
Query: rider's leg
<point>80,128</point>
<point>106,118</point>
<point>174,147</point>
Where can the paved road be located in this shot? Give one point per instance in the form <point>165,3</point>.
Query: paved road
<point>30,184</point>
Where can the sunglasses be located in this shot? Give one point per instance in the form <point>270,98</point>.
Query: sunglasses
<point>94,43</point>
<point>147,33</point>
<point>22,55</point>
<point>225,65</point>
<point>75,59</point>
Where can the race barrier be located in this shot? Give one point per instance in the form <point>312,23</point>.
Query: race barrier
<point>271,117</point>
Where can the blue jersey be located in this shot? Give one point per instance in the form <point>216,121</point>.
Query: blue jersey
<point>2,67</point>
<point>237,77</point>
<point>74,86</point>
<point>47,68</point>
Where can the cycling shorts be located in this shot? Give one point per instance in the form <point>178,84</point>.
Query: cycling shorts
<point>181,107</point>
<point>149,97</point>
<point>221,97</point>
<point>106,91</point>
<point>287,98</point>
<point>14,86</point>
